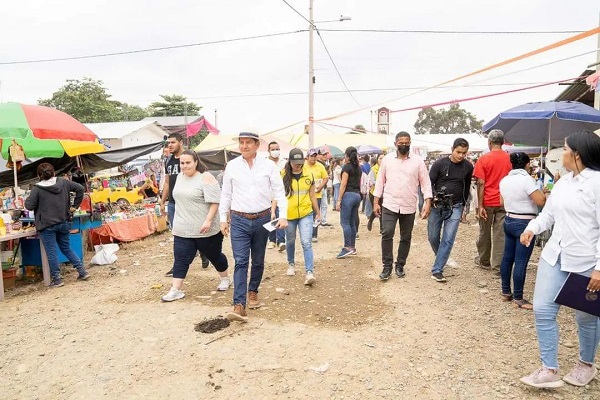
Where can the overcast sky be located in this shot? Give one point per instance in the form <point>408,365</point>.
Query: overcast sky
<point>235,78</point>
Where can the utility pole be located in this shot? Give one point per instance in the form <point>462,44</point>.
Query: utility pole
<point>216,118</point>
<point>311,79</point>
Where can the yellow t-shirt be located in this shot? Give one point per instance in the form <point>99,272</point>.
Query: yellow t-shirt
<point>299,204</point>
<point>319,174</point>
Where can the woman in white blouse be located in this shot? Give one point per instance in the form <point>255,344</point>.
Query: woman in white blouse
<point>521,198</point>
<point>574,247</point>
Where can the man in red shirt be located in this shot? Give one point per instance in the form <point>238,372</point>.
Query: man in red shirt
<point>489,170</point>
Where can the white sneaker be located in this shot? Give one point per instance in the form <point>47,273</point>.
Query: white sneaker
<point>581,375</point>
<point>281,247</point>
<point>224,284</point>
<point>174,294</point>
<point>270,245</point>
<point>451,263</point>
<point>291,271</point>
<point>310,279</point>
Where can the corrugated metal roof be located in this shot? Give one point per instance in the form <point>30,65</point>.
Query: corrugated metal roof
<point>579,90</point>
<point>118,130</point>
<point>173,121</point>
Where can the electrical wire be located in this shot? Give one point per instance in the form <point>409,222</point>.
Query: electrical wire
<point>395,89</point>
<point>120,53</point>
<point>337,70</point>
<point>299,13</point>
<point>443,32</point>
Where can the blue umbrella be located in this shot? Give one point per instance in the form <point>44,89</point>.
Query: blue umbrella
<point>545,123</point>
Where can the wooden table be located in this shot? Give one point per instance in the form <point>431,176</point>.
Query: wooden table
<point>45,264</point>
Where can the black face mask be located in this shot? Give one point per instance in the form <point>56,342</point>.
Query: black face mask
<point>403,149</point>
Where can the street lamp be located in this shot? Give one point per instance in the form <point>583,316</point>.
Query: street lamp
<point>311,73</point>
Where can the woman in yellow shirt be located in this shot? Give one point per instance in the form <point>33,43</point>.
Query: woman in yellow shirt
<point>299,186</point>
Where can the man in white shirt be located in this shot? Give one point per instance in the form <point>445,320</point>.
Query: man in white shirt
<point>276,237</point>
<point>249,185</point>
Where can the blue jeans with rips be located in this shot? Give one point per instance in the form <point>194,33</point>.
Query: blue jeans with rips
<point>442,246</point>
<point>548,282</point>
<point>248,242</point>
<point>514,253</point>
<point>304,225</point>
<point>278,235</point>
<point>57,237</point>
<point>349,217</point>
<point>171,213</point>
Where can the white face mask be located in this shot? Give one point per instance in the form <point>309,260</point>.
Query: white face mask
<point>275,153</point>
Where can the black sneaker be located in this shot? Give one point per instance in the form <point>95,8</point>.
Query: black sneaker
<point>58,282</point>
<point>400,272</point>
<point>385,274</point>
<point>170,273</point>
<point>205,262</point>
<point>83,276</point>
<point>438,277</point>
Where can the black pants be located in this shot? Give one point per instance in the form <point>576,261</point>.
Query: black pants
<point>184,251</point>
<point>388,226</point>
<point>316,228</point>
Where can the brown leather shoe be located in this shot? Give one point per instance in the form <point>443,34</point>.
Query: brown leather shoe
<point>253,301</point>
<point>238,314</point>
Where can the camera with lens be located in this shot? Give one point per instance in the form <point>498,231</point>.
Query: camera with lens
<point>442,199</point>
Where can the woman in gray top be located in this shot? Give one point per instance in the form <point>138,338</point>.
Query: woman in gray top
<point>196,225</point>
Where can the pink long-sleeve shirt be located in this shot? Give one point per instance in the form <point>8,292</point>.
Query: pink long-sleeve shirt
<point>398,183</point>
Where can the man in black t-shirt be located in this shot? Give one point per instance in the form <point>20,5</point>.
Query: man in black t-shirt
<point>175,144</point>
<point>451,180</point>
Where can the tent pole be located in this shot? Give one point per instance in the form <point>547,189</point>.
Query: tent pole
<point>16,182</point>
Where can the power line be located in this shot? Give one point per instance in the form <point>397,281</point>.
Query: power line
<point>444,32</point>
<point>153,49</point>
<point>299,13</point>
<point>395,89</point>
<point>336,69</point>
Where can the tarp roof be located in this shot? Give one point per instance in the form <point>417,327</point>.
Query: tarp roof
<point>578,90</point>
<point>118,130</point>
<point>89,162</point>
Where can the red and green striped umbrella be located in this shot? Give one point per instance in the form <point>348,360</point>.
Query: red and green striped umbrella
<point>42,131</point>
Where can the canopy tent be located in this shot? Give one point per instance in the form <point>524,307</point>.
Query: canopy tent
<point>216,159</point>
<point>196,126</point>
<point>341,141</point>
<point>89,162</point>
<point>442,143</point>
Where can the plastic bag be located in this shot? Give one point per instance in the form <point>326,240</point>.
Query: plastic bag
<point>105,254</point>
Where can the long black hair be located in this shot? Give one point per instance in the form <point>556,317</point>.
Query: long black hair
<point>352,156</point>
<point>287,179</point>
<point>587,145</point>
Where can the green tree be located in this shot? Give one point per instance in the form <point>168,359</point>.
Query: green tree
<point>88,100</point>
<point>452,120</point>
<point>358,129</point>
<point>174,105</point>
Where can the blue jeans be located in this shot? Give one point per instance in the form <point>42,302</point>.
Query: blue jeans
<point>278,235</point>
<point>248,240</point>
<point>348,217</point>
<point>59,235</point>
<point>368,206</point>
<point>547,285</point>
<point>171,213</point>
<point>336,193</point>
<point>442,247</point>
<point>304,225</point>
<point>514,253</point>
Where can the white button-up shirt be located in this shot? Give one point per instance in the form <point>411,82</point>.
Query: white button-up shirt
<point>250,190</point>
<point>574,210</point>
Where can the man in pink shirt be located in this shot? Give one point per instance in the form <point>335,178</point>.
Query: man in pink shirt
<point>400,175</point>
